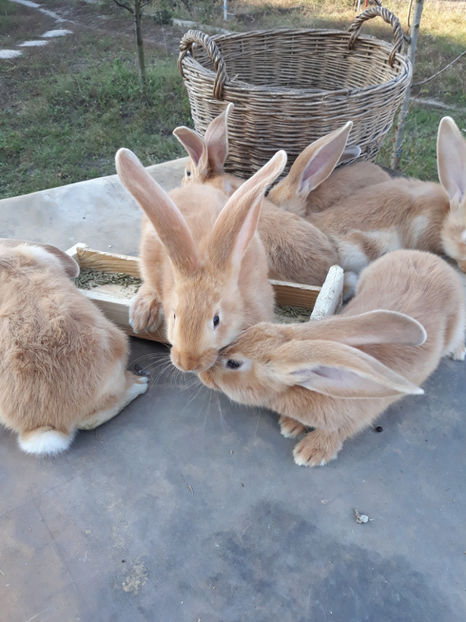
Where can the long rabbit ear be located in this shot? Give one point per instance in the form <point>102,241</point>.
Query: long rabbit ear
<point>196,148</point>
<point>350,153</point>
<point>164,215</point>
<point>317,161</point>
<point>451,161</point>
<point>379,326</point>
<point>237,222</point>
<point>338,370</point>
<point>216,138</point>
<point>69,265</point>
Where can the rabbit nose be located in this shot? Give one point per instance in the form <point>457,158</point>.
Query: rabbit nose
<point>184,361</point>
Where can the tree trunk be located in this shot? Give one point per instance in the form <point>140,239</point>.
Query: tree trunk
<point>401,119</point>
<point>139,42</point>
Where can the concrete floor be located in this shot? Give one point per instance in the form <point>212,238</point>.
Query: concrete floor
<point>189,508</point>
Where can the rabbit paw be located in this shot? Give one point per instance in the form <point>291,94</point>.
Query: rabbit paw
<point>139,386</point>
<point>145,313</point>
<point>317,448</point>
<point>460,353</point>
<point>290,428</point>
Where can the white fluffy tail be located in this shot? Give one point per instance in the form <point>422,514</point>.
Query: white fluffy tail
<point>44,441</point>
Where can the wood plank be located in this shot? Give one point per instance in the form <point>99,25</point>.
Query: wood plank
<point>295,294</point>
<point>107,262</point>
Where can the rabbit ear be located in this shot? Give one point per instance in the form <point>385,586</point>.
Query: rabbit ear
<point>350,153</point>
<point>451,161</point>
<point>379,326</point>
<point>237,222</point>
<point>195,146</point>
<point>216,138</point>
<point>208,154</point>
<point>69,265</point>
<point>164,215</point>
<point>338,370</point>
<point>317,161</point>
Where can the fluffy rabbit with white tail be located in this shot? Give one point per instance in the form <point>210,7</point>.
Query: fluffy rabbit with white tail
<point>63,364</point>
<point>203,265</point>
<point>339,374</point>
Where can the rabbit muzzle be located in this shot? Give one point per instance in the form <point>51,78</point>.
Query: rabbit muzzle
<point>185,361</point>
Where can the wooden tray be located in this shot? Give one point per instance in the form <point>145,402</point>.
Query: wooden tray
<point>115,304</point>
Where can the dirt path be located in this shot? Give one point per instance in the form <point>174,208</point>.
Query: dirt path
<point>46,20</point>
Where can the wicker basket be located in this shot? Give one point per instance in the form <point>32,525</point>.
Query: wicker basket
<point>292,86</point>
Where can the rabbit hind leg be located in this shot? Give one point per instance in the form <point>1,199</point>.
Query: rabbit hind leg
<point>124,388</point>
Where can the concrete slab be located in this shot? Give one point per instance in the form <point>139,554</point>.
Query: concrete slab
<point>99,212</point>
<point>187,507</point>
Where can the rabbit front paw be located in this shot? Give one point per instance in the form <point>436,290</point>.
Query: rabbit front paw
<point>317,448</point>
<point>290,428</point>
<point>145,313</point>
<point>459,353</point>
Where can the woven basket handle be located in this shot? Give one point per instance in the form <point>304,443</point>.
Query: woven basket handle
<point>196,36</point>
<point>387,16</point>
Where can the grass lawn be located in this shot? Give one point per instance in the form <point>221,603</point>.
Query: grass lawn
<point>65,108</point>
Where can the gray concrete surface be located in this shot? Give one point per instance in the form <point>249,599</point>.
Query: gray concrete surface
<point>99,212</point>
<point>189,508</point>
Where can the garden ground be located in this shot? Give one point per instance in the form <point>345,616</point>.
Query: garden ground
<point>66,107</point>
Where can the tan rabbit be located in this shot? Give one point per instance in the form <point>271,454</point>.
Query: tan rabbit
<point>405,213</point>
<point>63,364</point>
<point>296,250</point>
<point>338,374</point>
<point>201,261</point>
<point>312,183</point>
<point>207,154</point>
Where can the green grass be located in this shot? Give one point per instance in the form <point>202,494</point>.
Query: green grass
<point>63,126</point>
<point>419,157</point>
<point>66,108</point>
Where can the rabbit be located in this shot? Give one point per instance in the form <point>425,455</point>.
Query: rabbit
<point>204,268</point>
<point>312,183</point>
<point>339,374</point>
<point>63,363</point>
<point>404,213</point>
<point>296,250</point>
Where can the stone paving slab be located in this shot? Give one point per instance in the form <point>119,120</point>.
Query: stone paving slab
<point>99,212</point>
<point>188,507</point>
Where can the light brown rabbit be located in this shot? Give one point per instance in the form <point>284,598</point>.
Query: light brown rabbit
<point>312,183</point>
<point>338,374</point>
<point>207,154</point>
<point>296,250</point>
<point>63,364</point>
<point>405,213</point>
<point>201,261</point>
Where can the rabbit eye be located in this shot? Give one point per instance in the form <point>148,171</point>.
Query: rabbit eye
<point>174,316</point>
<point>188,173</point>
<point>232,364</point>
<point>216,321</point>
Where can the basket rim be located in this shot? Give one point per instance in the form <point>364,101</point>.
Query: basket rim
<point>404,68</point>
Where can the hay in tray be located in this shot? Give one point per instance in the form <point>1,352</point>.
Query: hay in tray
<point>286,314</point>
<point>118,283</point>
